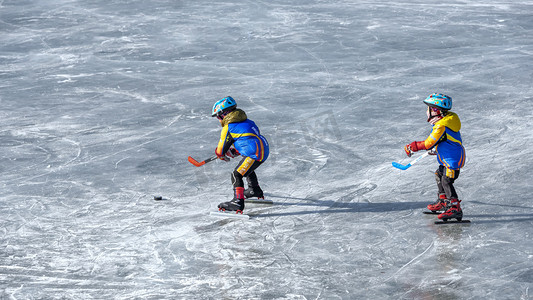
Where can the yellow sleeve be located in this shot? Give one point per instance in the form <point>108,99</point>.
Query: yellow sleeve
<point>434,137</point>
<point>223,137</point>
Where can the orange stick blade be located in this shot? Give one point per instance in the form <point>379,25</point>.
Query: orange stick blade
<point>195,162</point>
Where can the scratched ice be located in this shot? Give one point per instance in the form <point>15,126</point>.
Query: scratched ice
<point>102,102</point>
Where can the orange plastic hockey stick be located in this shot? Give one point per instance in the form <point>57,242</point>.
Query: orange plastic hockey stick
<point>201,163</point>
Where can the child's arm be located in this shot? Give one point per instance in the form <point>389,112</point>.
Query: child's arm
<point>435,136</point>
<point>224,144</point>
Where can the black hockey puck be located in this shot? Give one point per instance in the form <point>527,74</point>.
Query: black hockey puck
<point>158,197</point>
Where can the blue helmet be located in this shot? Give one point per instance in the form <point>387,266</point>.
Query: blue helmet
<point>440,101</point>
<point>223,105</point>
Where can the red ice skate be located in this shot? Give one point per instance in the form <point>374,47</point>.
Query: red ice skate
<point>441,204</point>
<point>454,211</point>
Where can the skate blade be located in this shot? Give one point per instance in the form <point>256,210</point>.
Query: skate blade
<point>452,222</point>
<point>259,201</point>
<point>229,214</point>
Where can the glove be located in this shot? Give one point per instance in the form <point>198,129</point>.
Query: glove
<point>413,147</point>
<point>231,153</point>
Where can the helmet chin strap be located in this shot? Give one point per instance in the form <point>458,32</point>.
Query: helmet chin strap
<point>223,114</point>
<point>434,118</point>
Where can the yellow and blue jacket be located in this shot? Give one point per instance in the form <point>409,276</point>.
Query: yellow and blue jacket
<point>242,132</point>
<point>445,137</point>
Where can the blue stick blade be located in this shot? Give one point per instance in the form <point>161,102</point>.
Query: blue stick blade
<point>400,166</point>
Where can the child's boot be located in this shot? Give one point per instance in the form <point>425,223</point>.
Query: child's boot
<point>237,204</point>
<point>453,211</point>
<point>254,191</point>
<point>440,204</point>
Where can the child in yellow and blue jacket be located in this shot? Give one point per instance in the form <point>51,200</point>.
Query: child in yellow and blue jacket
<point>444,141</point>
<point>240,136</point>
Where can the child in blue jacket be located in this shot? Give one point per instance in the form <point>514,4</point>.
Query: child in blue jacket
<point>445,141</point>
<point>241,136</point>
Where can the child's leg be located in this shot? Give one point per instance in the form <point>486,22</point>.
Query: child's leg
<point>238,185</point>
<point>441,202</point>
<point>438,177</point>
<point>246,168</point>
<point>447,183</point>
<point>253,190</point>
<point>252,180</point>
<point>445,179</point>
<point>454,208</point>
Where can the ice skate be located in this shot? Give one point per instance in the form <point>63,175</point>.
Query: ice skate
<point>454,211</point>
<point>254,192</point>
<point>236,205</point>
<point>440,205</point>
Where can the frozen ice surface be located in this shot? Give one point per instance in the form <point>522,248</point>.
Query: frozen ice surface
<point>101,102</point>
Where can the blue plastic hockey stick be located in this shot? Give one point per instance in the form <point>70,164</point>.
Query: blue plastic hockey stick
<point>407,166</point>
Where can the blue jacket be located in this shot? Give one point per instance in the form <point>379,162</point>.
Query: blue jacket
<point>446,139</point>
<point>242,132</point>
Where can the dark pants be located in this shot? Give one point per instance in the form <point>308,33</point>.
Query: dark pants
<point>245,168</point>
<point>445,179</point>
